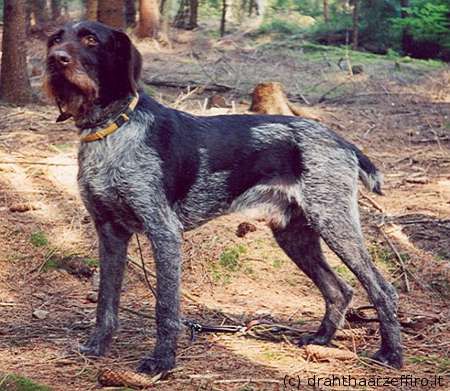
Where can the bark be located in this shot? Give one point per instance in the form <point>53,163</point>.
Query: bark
<point>56,9</point>
<point>224,18</point>
<point>149,19</point>
<point>40,11</point>
<point>130,13</point>
<point>326,15</point>
<point>193,14</point>
<point>355,34</point>
<point>91,10</point>
<point>186,17</point>
<point>112,13</point>
<point>14,83</point>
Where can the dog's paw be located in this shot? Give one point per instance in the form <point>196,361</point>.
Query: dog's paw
<point>312,339</point>
<point>153,365</point>
<point>391,358</point>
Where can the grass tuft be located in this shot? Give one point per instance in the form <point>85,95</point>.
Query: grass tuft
<point>39,239</point>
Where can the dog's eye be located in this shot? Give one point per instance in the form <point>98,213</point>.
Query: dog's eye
<point>55,41</point>
<point>90,40</point>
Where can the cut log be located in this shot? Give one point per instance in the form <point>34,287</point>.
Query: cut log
<point>269,98</point>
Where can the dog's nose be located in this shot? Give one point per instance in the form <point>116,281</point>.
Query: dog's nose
<point>61,57</point>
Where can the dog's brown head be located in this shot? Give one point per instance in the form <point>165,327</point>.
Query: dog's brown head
<point>89,63</point>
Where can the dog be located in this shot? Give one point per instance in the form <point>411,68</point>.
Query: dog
<point>144,167</point>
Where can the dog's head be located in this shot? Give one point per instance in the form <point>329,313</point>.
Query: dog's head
<point>87,63</point>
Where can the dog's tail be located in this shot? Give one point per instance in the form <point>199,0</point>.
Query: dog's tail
<point>368,173</point>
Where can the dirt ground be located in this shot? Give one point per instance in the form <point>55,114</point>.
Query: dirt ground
<point>397,111</point>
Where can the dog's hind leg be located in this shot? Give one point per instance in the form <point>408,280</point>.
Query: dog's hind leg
<point>113,244</point>
<point>339,226</point>
<point>302,244</point>
<point>164,231</point>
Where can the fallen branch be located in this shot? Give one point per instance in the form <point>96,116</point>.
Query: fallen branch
<point>431,140</point>
<point>399,258</point>
<point>375,204</point>
<point>190,83</point>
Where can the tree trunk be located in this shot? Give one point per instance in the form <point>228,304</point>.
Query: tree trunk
<point>193,14</point>
<point>56,9</point>
<point>182,16</point>
<point>112,13</point>
<point>223,19</point>
<point>355,24</point>
<point>270,98</point>
<point>407,39</point>
<point>40,12</point>
<point>14,83</point>
<point>186,17</point>
<point>326,15</point>
<point>130,13</point>
<point>149,19</point>
<point>91,10</point>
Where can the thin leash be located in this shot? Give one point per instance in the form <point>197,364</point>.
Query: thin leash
<point>260,329</point>
<point>193,326</point>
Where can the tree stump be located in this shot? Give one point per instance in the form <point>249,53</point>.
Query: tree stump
<point>269,98</point>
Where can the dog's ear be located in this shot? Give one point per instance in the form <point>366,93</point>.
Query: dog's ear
<point>128,62</point>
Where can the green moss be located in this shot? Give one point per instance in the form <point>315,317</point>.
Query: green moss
<point>14,382</point>
<point>277,263</point>
<point>229,259</point>
<point>51,264</point>
<point>91,262</point>
<point>39,239</point>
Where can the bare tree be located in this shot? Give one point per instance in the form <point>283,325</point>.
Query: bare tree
<point>186,17</point>
<point>14,83</point>
<point>223,19</point>
<point>40,11</point>
<point>326,15</point>
<point>91,10</point>
<point>149,19</point>
<point>407,39</point>
<point>130,13</point>
<point>355,34</point>
<point>56,8</point>
<point>112,13</point>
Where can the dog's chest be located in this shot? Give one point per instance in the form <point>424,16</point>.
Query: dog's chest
<point>104,182</point>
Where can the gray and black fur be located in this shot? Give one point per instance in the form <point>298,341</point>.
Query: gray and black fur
<point>166,171</point>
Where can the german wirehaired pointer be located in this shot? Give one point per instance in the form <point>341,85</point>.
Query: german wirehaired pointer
<point>147,168</point>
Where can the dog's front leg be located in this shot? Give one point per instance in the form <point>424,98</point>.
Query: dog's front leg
<point>113,244</point>
<point>165,236</point>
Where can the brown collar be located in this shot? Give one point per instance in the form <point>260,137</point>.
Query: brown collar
<point>113,126</point>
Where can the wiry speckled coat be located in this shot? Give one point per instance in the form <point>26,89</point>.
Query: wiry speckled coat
<point>166,171</point>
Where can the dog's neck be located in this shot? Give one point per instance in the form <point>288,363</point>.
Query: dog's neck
<point>99,116</point>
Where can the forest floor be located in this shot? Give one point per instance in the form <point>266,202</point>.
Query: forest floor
<point>397,110</point>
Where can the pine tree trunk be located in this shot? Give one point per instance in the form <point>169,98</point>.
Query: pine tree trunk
<point>130,13</point>
<point>224,18</point>
<point>149,19</point>
<point>326,16</point>
<point>91,10</point>
<point>407,39</point>
<point>40,11</point>
<point>56,9</point>
<point>112,13</point>
<point>193,14</point>
<point>355,34</point>
<point>14,83</point>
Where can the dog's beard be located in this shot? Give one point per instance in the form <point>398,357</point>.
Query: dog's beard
<point>73,90</point>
